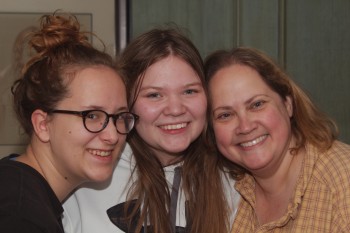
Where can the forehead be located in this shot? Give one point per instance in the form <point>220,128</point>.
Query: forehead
<point>171,68</point>
<point>236,76</point>
<point>96,84</point>
<point>237,83</point>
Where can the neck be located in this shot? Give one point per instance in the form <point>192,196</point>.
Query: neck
<point>275,192</point>
<point>41,160</point>
<point>282,177</point>
<point>167,159</point>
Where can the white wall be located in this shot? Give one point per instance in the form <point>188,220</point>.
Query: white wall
<point>102,11</point>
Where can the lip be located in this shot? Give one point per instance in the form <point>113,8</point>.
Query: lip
<point>253,142</point>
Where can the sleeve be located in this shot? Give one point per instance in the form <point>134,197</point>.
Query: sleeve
<point>342,215</point>
<point>342,208</point>
<point>341,192</point>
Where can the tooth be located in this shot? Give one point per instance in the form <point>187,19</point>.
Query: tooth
<point>100,153</point>
<point>177,126</point>
<point>253,142</point>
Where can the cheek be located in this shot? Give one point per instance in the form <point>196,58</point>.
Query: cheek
<point>198,107</point>
<point>144,110</point>
<point>198,110</point>
<point>223,136</point>
<point>77,136</point>
<point>148,115</point>
<point>277,121</point>
<point>223,142</point>
<point>70,142</point>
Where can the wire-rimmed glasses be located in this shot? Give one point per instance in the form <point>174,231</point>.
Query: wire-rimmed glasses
<point>96,120</point>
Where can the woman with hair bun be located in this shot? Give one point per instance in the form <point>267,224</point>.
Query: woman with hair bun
<point>71,101</point>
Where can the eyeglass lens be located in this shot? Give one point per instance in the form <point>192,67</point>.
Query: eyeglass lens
<point>96,121</point>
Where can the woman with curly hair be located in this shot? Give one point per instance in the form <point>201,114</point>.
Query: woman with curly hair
<point>71,101</point>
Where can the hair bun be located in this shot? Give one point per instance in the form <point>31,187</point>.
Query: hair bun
<point>56,30</point>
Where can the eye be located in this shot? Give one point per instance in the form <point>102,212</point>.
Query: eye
<point>95,115</point>
<point>153,95</point>
<point>91,116</point>
<point>257,104</point>
<point>191,91</point>
<point>223,116</point>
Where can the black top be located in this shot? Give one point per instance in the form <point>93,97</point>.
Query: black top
<point>27,202</point>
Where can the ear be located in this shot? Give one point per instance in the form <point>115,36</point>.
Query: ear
<point>289,105</point>
<point>40,122</point>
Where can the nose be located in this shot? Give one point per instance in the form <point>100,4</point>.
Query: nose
<point>245,124</point>
<point>110,134</point>
<point>175,106</point>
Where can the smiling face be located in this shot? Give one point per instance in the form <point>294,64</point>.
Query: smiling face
<point>172,108</point>
<point>251,122</point>
<point>78,154</point>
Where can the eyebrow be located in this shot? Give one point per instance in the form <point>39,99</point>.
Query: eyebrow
<point>194,84</point>
<point>96,107</point>
<point>159,88</point>
<point>222,108</point>
<point>227,107</point>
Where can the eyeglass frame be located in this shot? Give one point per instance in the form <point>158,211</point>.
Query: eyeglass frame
<point>83,115</point>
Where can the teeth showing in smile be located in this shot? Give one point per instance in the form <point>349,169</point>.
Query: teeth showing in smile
<point>171,127</point>
<point>253,142</point>
<point>100,153</point>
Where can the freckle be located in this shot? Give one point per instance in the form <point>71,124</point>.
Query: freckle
<point>69,132</point>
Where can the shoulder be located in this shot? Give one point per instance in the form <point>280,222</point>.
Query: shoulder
<point>11,176</point>
<point>28,200</point>
<point>17,178</point>
<point>336,159</point>
<point>340,148</point>
<point>332,166</point>
<point>332,170</point>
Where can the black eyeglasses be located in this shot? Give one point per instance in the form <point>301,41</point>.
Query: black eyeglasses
<point>96,120</point>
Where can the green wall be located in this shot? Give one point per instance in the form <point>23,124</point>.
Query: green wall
<point>310,38</point>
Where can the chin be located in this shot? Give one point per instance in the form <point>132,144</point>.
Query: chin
<point>99,179</point>
<point>177,150</point>
<point>101,176</point>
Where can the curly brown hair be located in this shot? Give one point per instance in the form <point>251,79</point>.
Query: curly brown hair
<point>60,50</point>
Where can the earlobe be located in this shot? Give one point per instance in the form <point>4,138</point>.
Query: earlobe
<point>40,125</point>
<point>289,105</point>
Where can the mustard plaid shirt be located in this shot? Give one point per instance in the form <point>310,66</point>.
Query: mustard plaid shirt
<point>321,202</point>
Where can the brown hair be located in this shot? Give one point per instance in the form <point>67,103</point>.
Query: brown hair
<point>200,174</point>
<point>60,50</point>
<point>309,124</point>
